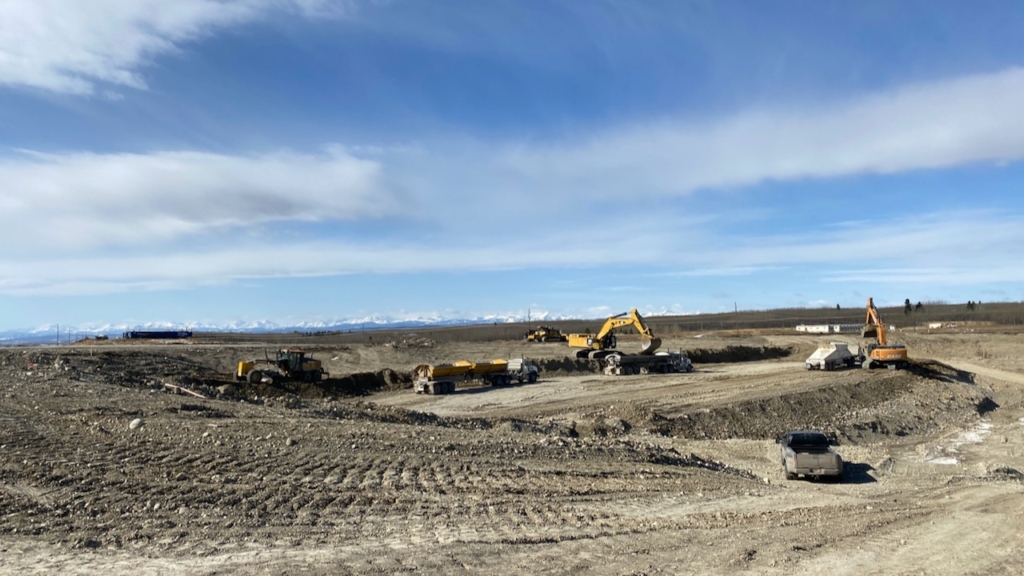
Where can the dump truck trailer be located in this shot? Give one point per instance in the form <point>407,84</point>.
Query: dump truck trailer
<point>660,363</point>
<point>831,356</point>
<point>443,378</point>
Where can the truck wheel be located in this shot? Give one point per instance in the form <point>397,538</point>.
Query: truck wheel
<point>532,378</point>
<point>254,377</point>
<point>790,476</point>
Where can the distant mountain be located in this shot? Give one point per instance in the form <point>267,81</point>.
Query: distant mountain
<point>48,334</point>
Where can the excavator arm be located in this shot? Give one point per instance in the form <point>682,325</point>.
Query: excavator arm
<point>605,339</point>
<point>873,325</point>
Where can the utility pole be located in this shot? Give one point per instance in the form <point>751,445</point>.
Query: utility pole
<point>58,334</point>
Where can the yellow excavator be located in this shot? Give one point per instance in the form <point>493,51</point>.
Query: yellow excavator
<point>881,352</point>
<point>602,343</point>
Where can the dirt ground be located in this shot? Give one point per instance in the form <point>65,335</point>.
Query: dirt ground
<point>103,469</point>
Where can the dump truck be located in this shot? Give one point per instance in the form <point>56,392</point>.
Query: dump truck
<point>670,362</point>
<point>291,364</point>
<point>443,378</point>
<point>809,453</point>
<point>545,334</point>
<point>831,356</point>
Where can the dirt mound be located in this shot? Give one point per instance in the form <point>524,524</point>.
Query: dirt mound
<point>359,384</point>
<point>568,366</point>
<point>738,354</point>
<point>938,371</point>
<point>128,369</point>
<point>880,406</point>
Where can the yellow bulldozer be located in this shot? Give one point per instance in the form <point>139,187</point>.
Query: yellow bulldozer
<point>289,364</point>
<point>545,334</point>
<point>604,341</point>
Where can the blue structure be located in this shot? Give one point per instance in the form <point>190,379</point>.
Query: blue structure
<point>157,334</point>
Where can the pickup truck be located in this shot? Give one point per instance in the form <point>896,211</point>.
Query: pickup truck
<point>809,453</point>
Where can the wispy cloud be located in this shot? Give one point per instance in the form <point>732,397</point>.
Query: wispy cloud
<point>852,252</point>
<point>467,205</point>
<point>68,46</point>
<point>977,118</point>
<point>87,200</point>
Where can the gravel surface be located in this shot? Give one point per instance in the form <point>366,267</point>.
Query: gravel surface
<point>104,468</point>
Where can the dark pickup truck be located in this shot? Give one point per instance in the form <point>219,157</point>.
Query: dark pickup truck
<point>809,453</point>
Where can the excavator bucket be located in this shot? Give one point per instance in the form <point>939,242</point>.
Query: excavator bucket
<point>869,331</point>
<point>649,344</point>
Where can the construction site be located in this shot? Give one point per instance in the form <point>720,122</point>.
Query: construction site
<point>618,446</point>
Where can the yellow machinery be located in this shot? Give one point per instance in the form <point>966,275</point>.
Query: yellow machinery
<point>598,345</point>
<point>291,364</point>
<point>880,352</point>
<point>443,378</point>
<point>545,334</point>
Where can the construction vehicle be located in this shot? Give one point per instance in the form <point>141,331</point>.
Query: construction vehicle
<point>601,344</point>
<point>880,352</point>
<point>289,364</point>
<point>443,378</point>
<point>809,453</point>
<point>831,356</point>
<point>545,334</point>
<point>601,347</point>
<point>670,362</point>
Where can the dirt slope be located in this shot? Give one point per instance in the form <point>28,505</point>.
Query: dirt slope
<point>583,473</point>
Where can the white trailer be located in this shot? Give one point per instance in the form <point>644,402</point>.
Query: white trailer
<point>443,378</point>
<point>831,356</point>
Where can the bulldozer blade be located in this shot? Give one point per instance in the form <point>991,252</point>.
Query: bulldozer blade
<point>649,345</point>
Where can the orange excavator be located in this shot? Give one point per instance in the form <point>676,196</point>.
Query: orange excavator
<point>881,352</point>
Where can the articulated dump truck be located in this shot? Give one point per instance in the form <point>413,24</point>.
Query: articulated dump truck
<point>443,378</point>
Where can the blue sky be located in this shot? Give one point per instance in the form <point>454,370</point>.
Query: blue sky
<point>206,161</point>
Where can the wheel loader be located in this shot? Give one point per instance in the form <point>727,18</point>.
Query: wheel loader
<point>289,364</point>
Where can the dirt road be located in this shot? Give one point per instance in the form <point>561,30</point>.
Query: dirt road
<point>579,473</point>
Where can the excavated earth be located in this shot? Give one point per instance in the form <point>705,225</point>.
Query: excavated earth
<point>152,459</point>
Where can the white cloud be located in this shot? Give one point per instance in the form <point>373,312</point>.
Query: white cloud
<point>487,206</point>
<point>954,122</point>
<point>910,253</point>
<point>87,200</point>
<point>68,45</point>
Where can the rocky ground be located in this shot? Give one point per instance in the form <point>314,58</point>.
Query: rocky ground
<point>104,468</point>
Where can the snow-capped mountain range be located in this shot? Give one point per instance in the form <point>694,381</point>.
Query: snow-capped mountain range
<point>52,333</point>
